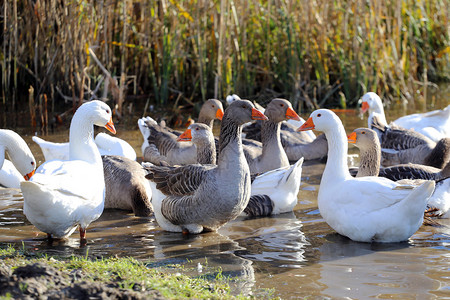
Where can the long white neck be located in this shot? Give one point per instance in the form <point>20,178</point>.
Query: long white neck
<point>18,151</point>
<point>336,168</point>
<point>377,110</point>
<point>81,140</point>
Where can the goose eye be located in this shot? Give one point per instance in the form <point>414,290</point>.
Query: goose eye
<point>213,106</point>
<point>363,132</point>
<point>243,106</point>
<point>319,115</point>
<point>107,111</point>
<point>281,104</point>
<point>197,128</point>
<point>32,163</point>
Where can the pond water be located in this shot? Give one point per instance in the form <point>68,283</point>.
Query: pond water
<point>296,254</point>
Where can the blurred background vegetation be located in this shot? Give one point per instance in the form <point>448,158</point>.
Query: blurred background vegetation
<point>172,53</point>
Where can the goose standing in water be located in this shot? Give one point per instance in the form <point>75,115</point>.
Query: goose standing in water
<point>273,192</point>
<point>64,194</point>
<point>296,144</point>
<point>22,164</point>
<point>367,142</point>
<point>406,146</point>
<point>125,185</point>
<point>272,155</point>
<point>365,209</point>
<point>160,144</point>
<point>194,198</point>
<point>399,145</point>
<point>435,125</point>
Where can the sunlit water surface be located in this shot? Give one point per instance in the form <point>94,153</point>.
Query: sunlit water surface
<point>296,254</point>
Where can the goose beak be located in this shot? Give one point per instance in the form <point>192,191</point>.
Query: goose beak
<point>257,115</point>
<point>110,126</point>
<point>308,125</point>
<point>185,136</point>
<point>364,106</point>
<point>292,115</point>
<point>219,114</point>
<point>28,176</point>
<point>352,138</point>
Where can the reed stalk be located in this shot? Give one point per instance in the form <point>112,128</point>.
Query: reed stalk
<point>312,52</point>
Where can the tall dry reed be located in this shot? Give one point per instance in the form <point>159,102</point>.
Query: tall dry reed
<point>314,52</point>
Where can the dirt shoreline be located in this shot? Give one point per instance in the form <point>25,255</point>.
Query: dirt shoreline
<point>38,280</point>
<point>26,275</point>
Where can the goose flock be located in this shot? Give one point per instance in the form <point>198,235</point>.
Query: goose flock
<point>193,182</point>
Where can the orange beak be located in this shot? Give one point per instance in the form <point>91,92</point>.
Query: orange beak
<point>364,107</point>
<point>28,176</point>
<point>110,126</point>
<point>308,125</point>
<point>291,114</point>
<point>257,115</point>
<point>219,114</point>
<point>185,136</point>
<point>352,138</point>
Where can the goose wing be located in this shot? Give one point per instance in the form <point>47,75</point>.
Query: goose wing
<point>374,193</point>
<point>178,181</point>
<point>409,171</point>
<point>73,178</point>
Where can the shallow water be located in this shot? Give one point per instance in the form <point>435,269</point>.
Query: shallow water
<point>296,254</point>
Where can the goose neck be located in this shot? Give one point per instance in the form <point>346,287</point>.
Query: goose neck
<point>336,168</point>
<point>271,141</point>
<point>16,147</point>
<point>370,161</point>
<point>230,144</point>
<point>206,152</point>
<point>205,120</point>
<point>81,140</point>
<point>270,132</point>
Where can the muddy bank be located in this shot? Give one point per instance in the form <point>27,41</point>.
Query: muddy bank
<point>38,280</point>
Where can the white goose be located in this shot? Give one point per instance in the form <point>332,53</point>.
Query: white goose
<point>64,194</point>
<point>434,124</point>
<point>22,164</point>
<point>107,145</point>
<point>365,209</point>
<point>275,192</point>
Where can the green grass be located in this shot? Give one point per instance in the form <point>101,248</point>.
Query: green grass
<point>127,272</point>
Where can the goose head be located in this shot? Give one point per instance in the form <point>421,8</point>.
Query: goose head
<point>371,102</point>
<point>242,111</point>
<point>212,109</point>
<point>363,138</point>
<point>321,120</point>
<point>279,110</point>
<point>99,113</point>
<point>18,151</point>
<point>231,98</point>
<point>197,133</point>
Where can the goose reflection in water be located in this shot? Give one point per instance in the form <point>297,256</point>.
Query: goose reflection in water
<point>274,240</point>
<point>383,270</point>
<point>204,253</point>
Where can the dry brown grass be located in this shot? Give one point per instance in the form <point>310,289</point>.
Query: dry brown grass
<point>316,53</point>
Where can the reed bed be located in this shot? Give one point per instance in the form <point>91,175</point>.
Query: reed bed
<point>317,53</point>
